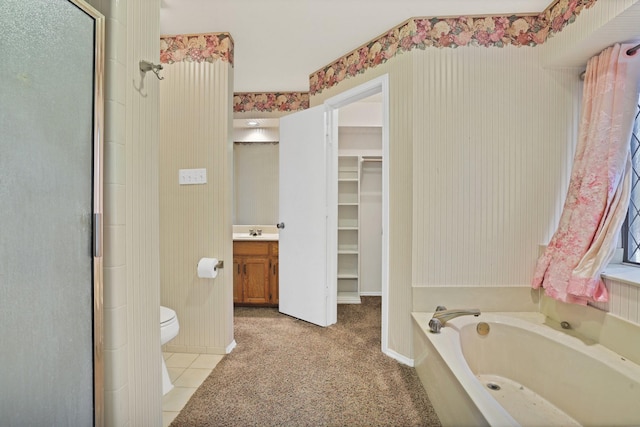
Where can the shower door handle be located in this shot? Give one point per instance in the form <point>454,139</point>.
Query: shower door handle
<point>97,235</point>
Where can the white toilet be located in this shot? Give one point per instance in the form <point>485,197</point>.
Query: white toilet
<point>169,328</point>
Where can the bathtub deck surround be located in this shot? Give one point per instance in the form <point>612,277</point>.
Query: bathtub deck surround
<point>484,298</point>
<point>607,329</point>
<point>481,369</point>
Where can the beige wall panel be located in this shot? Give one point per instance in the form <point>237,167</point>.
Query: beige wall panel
<point>493,146</point>
<point>195,220</point>
<point>133,382</point>
<point>142,240</point>
<point>624,300</point>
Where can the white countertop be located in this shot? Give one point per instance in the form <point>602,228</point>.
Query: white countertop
<point>269,233</point>
<point>246,237</point>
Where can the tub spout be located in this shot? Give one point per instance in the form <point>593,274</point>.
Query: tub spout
<point>442,316</point>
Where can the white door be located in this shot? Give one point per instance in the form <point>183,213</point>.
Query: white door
<point>303,272</point>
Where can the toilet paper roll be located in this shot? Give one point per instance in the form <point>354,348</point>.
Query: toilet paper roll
<point>207,268</point>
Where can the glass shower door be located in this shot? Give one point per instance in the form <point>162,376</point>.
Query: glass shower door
<point>50,266</point>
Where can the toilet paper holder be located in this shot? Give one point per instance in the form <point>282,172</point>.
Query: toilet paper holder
<point>220,264</point>
<point>208,268</point>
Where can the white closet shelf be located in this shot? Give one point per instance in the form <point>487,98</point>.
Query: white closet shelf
<point>349,298</point>
<point>347,251</point>
<point>349,168</point>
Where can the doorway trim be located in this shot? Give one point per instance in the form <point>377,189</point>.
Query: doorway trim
<point>332,105</point>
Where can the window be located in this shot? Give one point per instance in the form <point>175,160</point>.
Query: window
<point>631,228</point>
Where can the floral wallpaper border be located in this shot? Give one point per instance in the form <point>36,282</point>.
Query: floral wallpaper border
<point>420,33</point>
<point>415,33</point>
<point>270,102</point>
<point>208,47</point>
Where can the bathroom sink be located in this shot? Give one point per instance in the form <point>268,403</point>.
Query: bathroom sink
<point>244,232</point>
<point>247,236</point>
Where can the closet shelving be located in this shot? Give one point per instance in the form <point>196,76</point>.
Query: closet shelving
<point>348,229</point>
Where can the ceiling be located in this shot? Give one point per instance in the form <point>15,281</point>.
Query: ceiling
<point>278,43</point>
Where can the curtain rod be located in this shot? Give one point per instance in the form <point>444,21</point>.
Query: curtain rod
<point>630,51</point>
<point>633,49</point>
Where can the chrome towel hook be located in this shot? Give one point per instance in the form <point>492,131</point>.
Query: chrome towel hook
<point>150,66</point>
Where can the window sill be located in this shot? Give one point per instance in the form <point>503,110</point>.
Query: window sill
<point>625,273</point>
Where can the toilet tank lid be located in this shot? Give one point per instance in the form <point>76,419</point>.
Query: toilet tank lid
<point>166,314</point>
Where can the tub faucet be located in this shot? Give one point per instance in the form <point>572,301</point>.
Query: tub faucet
<point>442,316</point>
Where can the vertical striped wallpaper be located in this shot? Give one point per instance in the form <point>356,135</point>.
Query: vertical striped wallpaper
<point>195,220</point>
<point>133,384</point>
<point>493,138</point>
<point>142,254</point>
<point>624,300</point>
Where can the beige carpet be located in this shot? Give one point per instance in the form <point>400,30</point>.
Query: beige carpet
<point>286,372</point>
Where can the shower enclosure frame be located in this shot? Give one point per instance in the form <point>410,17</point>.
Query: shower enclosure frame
<point>98,207</point>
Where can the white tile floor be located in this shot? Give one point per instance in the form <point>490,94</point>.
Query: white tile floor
<point>187,371</point>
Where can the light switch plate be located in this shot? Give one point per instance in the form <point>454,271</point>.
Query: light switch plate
<point>192,176</point>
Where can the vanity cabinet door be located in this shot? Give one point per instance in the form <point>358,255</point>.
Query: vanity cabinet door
<point>256,280</point>
<point>255,273</point>
<point>274,281</point>
<point>237,280</point>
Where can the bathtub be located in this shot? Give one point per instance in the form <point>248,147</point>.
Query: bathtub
<point>525,371</point>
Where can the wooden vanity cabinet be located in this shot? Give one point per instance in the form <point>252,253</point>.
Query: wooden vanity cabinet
<point>274,273</point>
<point>255,277</point>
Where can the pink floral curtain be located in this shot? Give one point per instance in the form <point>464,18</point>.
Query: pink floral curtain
<point>598,195</point>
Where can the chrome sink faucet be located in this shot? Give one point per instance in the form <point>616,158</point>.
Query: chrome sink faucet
<point>442,316</point>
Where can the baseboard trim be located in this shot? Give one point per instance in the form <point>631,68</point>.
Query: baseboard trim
<point>400,358</point>
<point>231,346</point>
